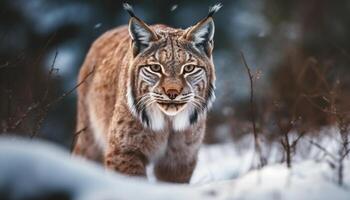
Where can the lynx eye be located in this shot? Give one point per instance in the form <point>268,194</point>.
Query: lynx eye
<point>155,68</point>
<point>188,68</point>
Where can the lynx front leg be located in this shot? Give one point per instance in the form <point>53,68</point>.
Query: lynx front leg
<point>130,147</point>
<point>125,152</point>
<point>86,146</point>
<point>177,172</point>
<point>126,161</point>
<point>179,161</point>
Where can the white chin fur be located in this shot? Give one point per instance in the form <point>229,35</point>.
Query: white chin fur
<point>156,118</point>
<point>181,121</point>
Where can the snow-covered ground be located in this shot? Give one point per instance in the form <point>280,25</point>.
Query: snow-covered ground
<point>232,160</point>
<point>29,169</point>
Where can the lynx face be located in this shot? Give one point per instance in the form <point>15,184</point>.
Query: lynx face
<point>172,76</point>
<point>159,76</point>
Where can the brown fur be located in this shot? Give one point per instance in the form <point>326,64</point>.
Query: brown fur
<point>114,135</point>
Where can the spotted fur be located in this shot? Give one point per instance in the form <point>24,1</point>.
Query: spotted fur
<point>148,97</point>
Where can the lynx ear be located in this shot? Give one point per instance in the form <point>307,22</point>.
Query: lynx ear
<point>202,33</point>
<point>140,33</point>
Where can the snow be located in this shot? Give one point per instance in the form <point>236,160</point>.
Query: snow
<point>307,180</point>
<point>219,162</point>
<point>31,168</point>
<point>34,168</point>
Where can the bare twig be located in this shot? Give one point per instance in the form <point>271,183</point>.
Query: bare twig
<point>51,71</point>
<point>322,109</point>
<point>295,142</point>
<point>320,76</point>
<point>44,110</point>
<point>288,146</point>
<point>253,112</point>
<point>45,107</point>
<point>75,137</point>
<point>333,111</point>
<point>42,51</point>
<point>71,90</point>
<point>346,153</point>
<point>30,108</point>
<point>324,150</point>
<point>55,101</point>
<point>37,105</point>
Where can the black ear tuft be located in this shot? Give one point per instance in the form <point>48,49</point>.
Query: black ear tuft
<point>141,34</point>
<point>202,35</point>
<point>214,9</point>
<point>128,8</point>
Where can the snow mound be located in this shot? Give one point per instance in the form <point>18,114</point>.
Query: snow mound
<point>307,180</point>
<point>32,169</point>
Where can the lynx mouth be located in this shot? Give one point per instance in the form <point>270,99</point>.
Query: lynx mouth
<point>171,108</point>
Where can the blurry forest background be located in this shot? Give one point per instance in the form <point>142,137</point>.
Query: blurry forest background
<point>298,51</point>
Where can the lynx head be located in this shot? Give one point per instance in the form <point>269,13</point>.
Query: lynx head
<point>172,75</point>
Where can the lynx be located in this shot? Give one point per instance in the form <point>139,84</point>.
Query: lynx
<point>147,98</point>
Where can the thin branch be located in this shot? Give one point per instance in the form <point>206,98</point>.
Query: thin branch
<point>297,139</point>
<point>43,112</point>
<point>321,76</point>
<point>42,50</point>
<point>323,149</point>
<point>283,144</point>
<point>286,144</point>
<point>55,101</point>
<point>51,71</point>
<point>36,105</point>
<point>71,90</point>
<point>30,108</point>
<point>322,109</point>
<point>253,110</point>
<point>346,153</point>
<point>42,115</point>
<point>75,137</point>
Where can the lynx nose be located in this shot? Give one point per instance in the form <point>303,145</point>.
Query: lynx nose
<point>172,93</point>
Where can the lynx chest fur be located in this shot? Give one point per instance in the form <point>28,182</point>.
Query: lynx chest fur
<point>147,98</point>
